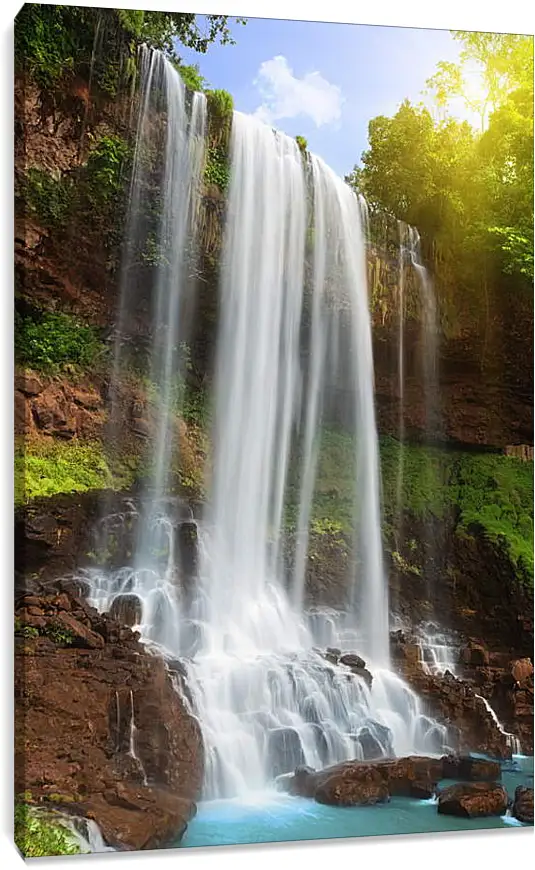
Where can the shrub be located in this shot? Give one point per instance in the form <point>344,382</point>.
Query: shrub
<point>53,340</point>
<point>303,144</point>
<point>38,837</point>
<point>220,110</point>
<point>216,170</point>
<point>192,78</point>
<point>58,634</point>
<point>104,170</point>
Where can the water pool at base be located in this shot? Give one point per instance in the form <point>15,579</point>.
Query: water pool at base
<point>273,817</point>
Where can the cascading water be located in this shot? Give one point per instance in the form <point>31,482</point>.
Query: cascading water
<point>293,270</point>
<point>430,334</point>
<point>168,159</point>
<point>267,702</point>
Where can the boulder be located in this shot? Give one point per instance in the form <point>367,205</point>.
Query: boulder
<point>352,661</point>
<point>364,674</point>
<point>371,748</point>
<point>350,793</point>
<point>468,768</point>
<point>475,654</point>
<point>522,669</point>
<point>473,800</point>
<point>81,634</point>
<point>523,804</point>
<point>29,384</point>
<point>285,751</point>
<point>126,609</point>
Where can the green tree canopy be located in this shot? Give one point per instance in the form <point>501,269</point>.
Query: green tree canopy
<point>470,190</point>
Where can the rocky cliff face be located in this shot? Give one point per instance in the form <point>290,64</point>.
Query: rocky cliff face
<point>101,730</point>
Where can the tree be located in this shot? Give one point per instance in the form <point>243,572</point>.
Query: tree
<point>471,191</point>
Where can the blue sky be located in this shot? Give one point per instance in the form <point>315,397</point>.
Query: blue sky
<point>324,81</point>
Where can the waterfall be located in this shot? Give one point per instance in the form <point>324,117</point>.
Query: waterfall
<point>266,700</point>
<point>293,282</point>
<point>430,335</point>
<point>511,739</point>
<point>163,203</point>
<point>402,231</point>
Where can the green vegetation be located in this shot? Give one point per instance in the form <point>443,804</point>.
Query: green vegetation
<point>489,491</point>
<point>53,43</point>
<point>26,631</point>
<point>216,169</point>
<point>468,190</point>
<point>302,143</point>
<point>105,169</point>
<point>48,198</point>
<point>47,467</point>
<point>59,634</point>
<point>49,341</point>
<point>191,76</point>
<point>38,836</point>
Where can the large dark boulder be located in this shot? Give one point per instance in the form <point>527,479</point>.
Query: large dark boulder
<point>473,800</point>
<point>126,609</point>
<point>285,751</point>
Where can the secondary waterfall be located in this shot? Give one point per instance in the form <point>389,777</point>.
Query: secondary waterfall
<point>293,271</point>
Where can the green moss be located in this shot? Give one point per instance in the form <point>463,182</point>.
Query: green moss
<point>49,341</point>
<point>492,492</point>
<point>37,836</point>
<point>426,472</point>
<point>49,198</point>
<point>496,494</point>
<point>49,467</point>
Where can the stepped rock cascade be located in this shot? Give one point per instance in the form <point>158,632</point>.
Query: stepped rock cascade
<point>293,269</point>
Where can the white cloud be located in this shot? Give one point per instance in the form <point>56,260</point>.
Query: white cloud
<point>286,96</point>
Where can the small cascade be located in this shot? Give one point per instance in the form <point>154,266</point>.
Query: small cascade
<point>438,651</point>
<point>512,741</point>
<point>87,833</point>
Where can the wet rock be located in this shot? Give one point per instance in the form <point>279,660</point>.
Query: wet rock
<point>472,769</point>
<point>352,661</point>
<point>473,800</point>
<point>475,654</point>
<point>422,789</point>
<point>285,751</point>
<point>364,674</point>
<point>523,804</point>
<point>371,748</point>
<point>351,794</point>
<point>354,782</point>
<point>126,609</point>
<point>188,548</point>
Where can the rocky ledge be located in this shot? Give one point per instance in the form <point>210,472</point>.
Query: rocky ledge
<point>101,731</point>
<point>504,681</point>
